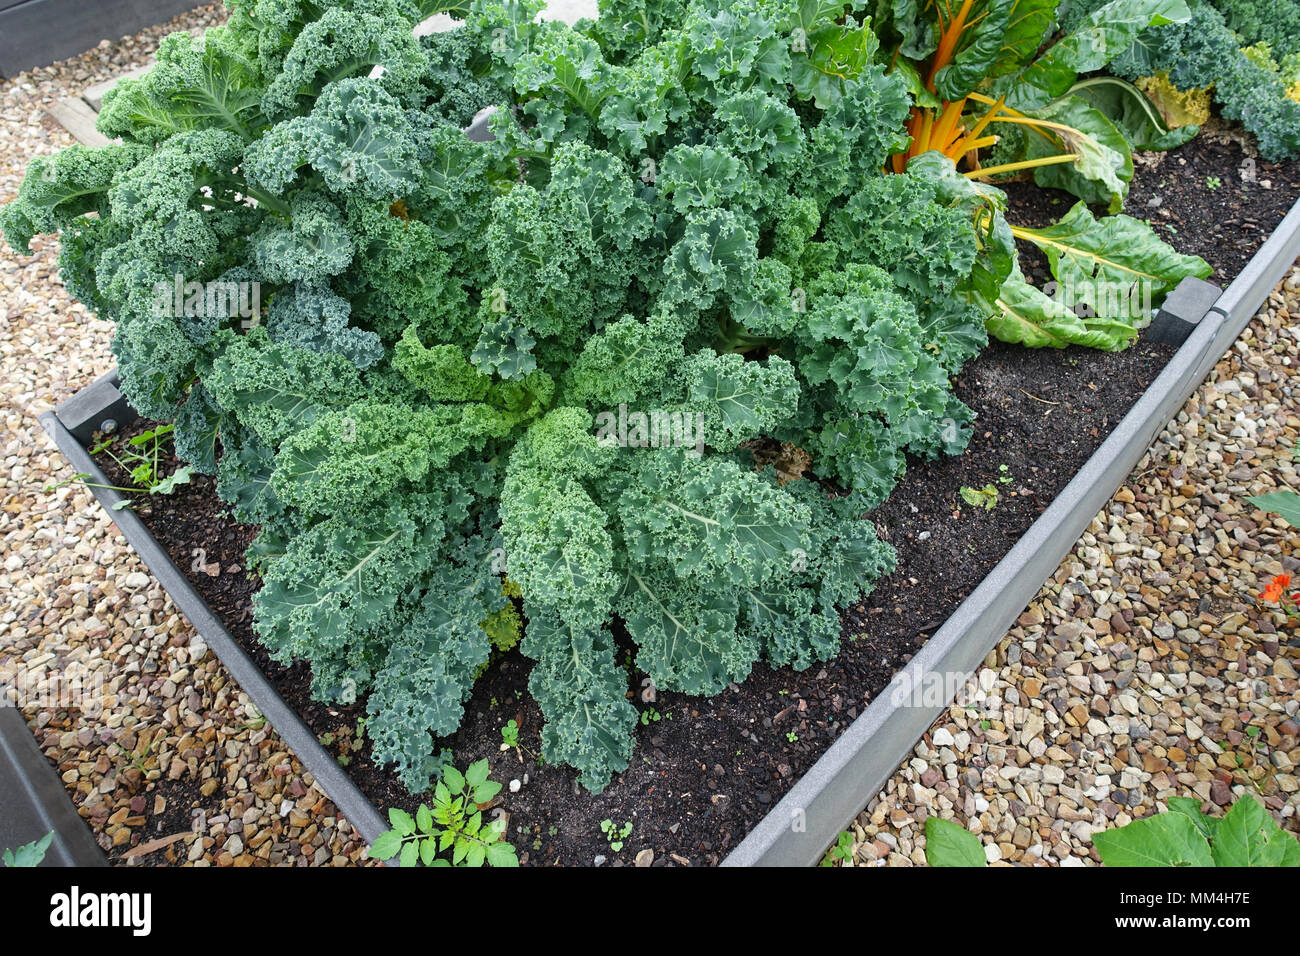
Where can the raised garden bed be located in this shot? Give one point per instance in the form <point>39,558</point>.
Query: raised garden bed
<point>366,546</point>
<point>728,775</point>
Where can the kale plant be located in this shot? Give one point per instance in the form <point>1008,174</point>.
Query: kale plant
<point>565,354</point>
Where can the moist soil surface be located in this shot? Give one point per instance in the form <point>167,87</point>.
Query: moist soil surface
<point>705,770</point>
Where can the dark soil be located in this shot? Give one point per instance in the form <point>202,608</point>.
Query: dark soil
<point>1207,198</point>
<point>706,770</point>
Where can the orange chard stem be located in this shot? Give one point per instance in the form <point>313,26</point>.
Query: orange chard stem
<point>923,139</point>
<point>948,43</point>
<point>945,129</point>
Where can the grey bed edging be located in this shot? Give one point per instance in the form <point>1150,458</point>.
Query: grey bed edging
<point>852,772</point>
<point>33,801</point>
<point>336,784</point>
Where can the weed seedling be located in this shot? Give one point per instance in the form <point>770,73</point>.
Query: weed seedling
<point>615,834</point>
<point>841,850</point>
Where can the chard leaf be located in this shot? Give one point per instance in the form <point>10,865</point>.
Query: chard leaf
<point>1104,166</point>
<point>981,46</point>
<point>1119,251</point>
<point>1102,36</point>
<point>1027,316</point>
<point>1132,112</point>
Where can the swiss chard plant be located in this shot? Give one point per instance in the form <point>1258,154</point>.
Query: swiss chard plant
<point>568,355</point>
<point>982,71</point>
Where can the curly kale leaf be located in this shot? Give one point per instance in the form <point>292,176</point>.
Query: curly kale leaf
<point>419,692</point>
<point>582,694</point>
<point>309,317</point>
<point>314,243</point>
<point>557,539</point>
<point>356,137</point>
<point>686,635</point>
<point>895,223</point>
<point>344,45</point>
<point>739,400</point>
<point>195,84</point>
<point>709,519</point>
<point>277,390</point>
<point>62,188</point>
<point>340,580</point>
<point>349,460</point>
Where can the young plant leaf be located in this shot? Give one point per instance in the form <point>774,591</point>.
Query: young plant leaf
<point>1285,504</point>
<point>1165,839</point>
<point>949,844</point>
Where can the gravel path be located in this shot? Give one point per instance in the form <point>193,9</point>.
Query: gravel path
<point>177,767</point>
<point>1134,676</point>
<point>1145,668</point>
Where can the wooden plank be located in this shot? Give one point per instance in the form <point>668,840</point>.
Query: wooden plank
<point>94,95</point>
<point>76,116</point>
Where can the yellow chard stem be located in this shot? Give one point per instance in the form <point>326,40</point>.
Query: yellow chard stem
<point>966,144</point>
<point>923,136</point>
<point>1030,121</point>
<point>1023,164</point>
<point>941,139</point>
<point>987,117</point>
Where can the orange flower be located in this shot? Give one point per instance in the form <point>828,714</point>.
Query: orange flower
<point>1275,588</point>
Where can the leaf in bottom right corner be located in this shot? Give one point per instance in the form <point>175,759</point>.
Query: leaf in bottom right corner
<point>1166,839</point>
